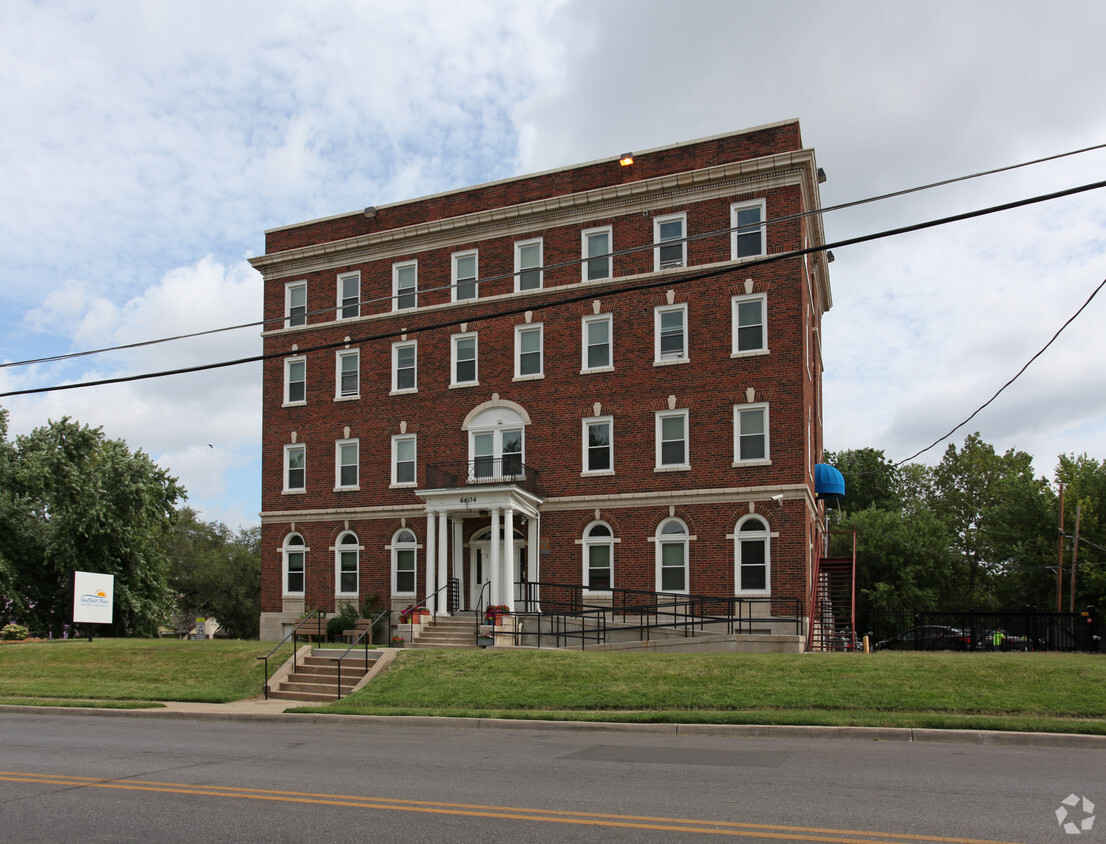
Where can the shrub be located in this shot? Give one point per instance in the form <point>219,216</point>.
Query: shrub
<point>345,619</point>
<point>13,632</point>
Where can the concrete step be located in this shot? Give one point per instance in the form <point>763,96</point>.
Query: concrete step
<point>420,644</point>
<point>305,697</point>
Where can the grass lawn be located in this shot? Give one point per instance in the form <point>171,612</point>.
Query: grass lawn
<point>114,671</point>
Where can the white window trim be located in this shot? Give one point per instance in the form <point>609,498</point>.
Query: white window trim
<point>396,390</point>
<point>338,358</point>
<point>288,288</point>
<point>497,455</point>
<point>288,449</point>
<point>519,331</point>
<point>686,540</point>
<point>587,542</point>
<point>396,439</point>
<point>585,423</point>
<point>285,550</point>
<point>393,547</point>
<point>519,269</point>
<point>609,231</point>
<point>668,218</point>
<point>666,360</point>
<point>475,253</point>
<point>740,206</point>
<point>288,383</point>
<point>453,360</point>
<point>338,549</point>
<point>395,284</point>
<point>735,302</point>
<point>767,535</point>
<point>738,409</point>
<point>585,323</point>
<point>339,314</point>
<point>671,467</point>
<point>338,487</point>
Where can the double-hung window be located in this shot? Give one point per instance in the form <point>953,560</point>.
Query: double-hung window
<point>403,460</point>
<point>599,446</point>
<point>670,330</point>
<point>404,548</point>
<point>597,247</point>
<point>295,304</point>
<point>464,359</point>
<point>528,351</point>
<point>599,544</point>
<point>752,557</point>
<point>528,262</point>
<point>294,553</point>
<point>347,374</point>
<point>346,464</point>
<point>750,433</point>
<point>295,380</point>
<point>747,237</point>
<point>671,248</point>
<point>672,450</point>
<point>405,367</point>
<point>597,355</point>
<point>405,284</point>
<point>465,285</point>
<point>749,324</point>
<point>295,468</point>
<point>672,553</point>
<point>346,558</point>
<point>349,296</point>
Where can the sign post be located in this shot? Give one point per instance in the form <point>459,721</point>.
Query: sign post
<point>93,598</point>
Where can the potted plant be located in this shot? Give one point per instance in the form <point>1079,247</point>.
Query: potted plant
<point>397,642</point>
<point>494,613</point>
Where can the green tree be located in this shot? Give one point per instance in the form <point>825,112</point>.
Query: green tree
<point>1084,480</point>
<point>84,502</point>
<point>11,604</point>
<point>871,480</point>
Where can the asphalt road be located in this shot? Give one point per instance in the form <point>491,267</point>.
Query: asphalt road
<point>70,778</point>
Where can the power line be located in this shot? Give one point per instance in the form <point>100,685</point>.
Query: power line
<point>574,262</point>
<point>666,281</point>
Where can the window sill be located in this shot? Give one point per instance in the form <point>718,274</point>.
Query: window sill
<point>671,361</point>
<point>295,403</point>
<point>538,377</point>
<point>293,491</point>
<point>684,468</point>
<point>760,593</point>
<point>598,473</point>
<point>749,353</point>
<point>348,398</point>
<point>597,369</point>
<point>410,485</point>
<point>462,384</point>
<point>740,463</point>
<point>406,392</point>
<point>347,489</point>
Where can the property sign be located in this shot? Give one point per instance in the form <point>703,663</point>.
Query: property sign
<point>93,597</point>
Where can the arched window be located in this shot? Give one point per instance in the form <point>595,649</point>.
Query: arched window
<point>496,443</point>
<point>752,557</point>
<point>347,555</point>
<point>404,548</point>
<point>672,547</point>
<point>294,553</point>
<point>598,557</point>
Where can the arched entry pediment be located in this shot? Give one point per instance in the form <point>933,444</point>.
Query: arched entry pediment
<point>496,413</point>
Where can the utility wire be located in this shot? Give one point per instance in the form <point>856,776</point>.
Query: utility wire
<point>574,262</point>
<point>665,281</point>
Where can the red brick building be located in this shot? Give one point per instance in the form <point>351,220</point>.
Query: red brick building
<point>606,375</point>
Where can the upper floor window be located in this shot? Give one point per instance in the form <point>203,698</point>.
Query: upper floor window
<point>496,454</point>
<point>294,554</point>
<point>295,304</point>
<point>597,354</point>
<point>672,451</point>
<point>403,548</point>
<point>528,351</point>
<point>464,276</point>
<point>464,359</point>
<point>749,324</point>
<point>752,557</point>
<point>599,544</point>
<point>346,558</point>
<point>597,246</point>
<point>405,284</point>
<point>295,468</point>
<point>672,556</point>
<point>349,296</point>
<point>347,374</point>
<point>403,460</point>
<point>670,331</point>
<point>598,445</point>
<point>750,433</point>
<point>405,367</point>
<point>346,464</point>
<point>528,262</point>
<point>669,234</point>
<point>747,239</point>
<point>295,380</point>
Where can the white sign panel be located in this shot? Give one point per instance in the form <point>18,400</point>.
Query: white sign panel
<point>93,597</point>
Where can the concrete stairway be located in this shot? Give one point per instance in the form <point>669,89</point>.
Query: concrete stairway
<point>316,677</point>
<point>446,632</point>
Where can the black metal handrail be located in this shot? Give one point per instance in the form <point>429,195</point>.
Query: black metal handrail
<point>315,614</point>
<point>481,472</point>
<point>367,632</point>
<point>453,591</point>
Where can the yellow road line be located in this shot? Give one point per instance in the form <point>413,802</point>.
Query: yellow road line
<point>707,827</point>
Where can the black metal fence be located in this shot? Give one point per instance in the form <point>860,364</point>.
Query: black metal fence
<point>977,630</point>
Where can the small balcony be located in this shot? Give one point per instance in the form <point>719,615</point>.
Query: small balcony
<point>483,471</point>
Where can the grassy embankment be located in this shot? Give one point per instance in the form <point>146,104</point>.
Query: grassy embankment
<point>1013,691</point>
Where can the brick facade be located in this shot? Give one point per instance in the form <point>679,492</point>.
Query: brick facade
<point>710,492</point>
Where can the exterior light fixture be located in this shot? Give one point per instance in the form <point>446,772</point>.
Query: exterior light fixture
<point>626,159</point>
<point>370,212</point>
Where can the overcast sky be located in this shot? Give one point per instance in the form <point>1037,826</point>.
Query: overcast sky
<point>146,146</point>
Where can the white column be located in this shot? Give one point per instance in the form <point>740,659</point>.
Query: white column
<point>493,564</point>
<point>510,567</point>
<point>533,537</point>
<point>431,547</point>
<point>458,564</point>
<point>442,605</point>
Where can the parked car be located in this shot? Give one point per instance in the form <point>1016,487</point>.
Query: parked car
<point>928,638</point>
